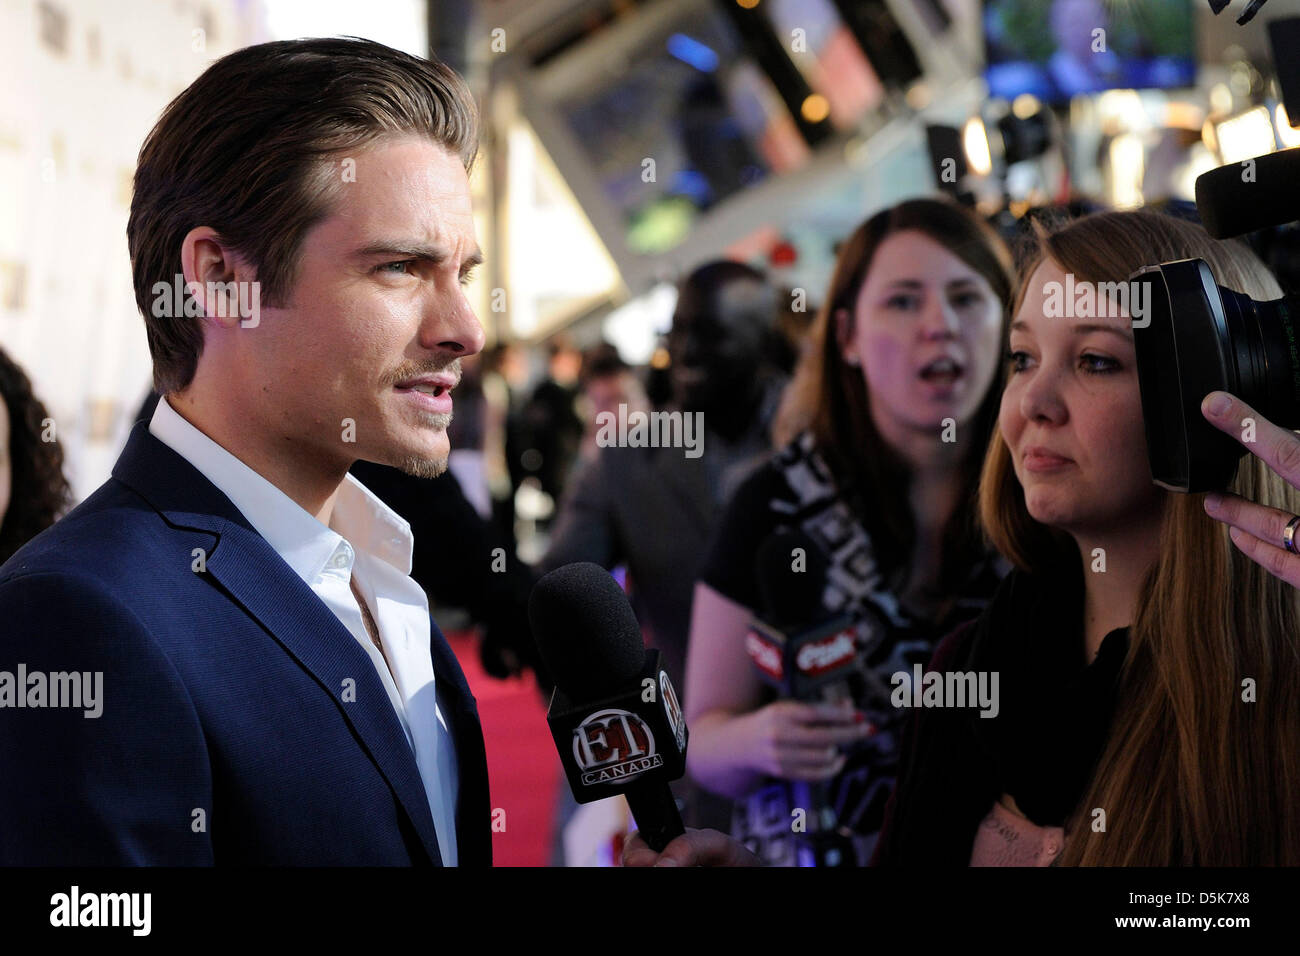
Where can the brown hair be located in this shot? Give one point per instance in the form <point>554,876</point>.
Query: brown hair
<point>829,396</point>
<point>248,149</point>
<point>38,491</point>
<point>1190,773</point>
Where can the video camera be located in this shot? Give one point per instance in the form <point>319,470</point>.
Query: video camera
<point>1220,340</point>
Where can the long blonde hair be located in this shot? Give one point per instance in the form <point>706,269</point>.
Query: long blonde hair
<point>1193,771</point>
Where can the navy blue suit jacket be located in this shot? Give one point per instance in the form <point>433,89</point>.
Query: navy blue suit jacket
<point>227,734</point>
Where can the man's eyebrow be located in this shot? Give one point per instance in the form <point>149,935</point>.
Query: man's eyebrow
<point>417,250</point>
<point>1020,325</point>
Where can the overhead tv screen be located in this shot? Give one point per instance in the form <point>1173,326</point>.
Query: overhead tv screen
<point>1056,49</point>
<point>691,95</point>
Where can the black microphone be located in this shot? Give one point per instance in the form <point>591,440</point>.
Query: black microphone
<point>1236,199</point>
<point>808,654</point>
<point>615,718</point>
<point>799,649</point>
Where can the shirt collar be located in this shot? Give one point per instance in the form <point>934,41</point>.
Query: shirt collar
<point>360,520</point>
<point>372,526</point>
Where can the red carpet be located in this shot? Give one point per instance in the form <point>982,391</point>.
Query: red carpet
<point>523,769</point>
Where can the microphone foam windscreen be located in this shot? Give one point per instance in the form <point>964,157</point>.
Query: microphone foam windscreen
<point>586,632</point>
<point>1255,194</point>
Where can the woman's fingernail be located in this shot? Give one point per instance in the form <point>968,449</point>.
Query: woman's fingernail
<point>1213,500</point>
<point>1218,403</point>
<point>666,861</point>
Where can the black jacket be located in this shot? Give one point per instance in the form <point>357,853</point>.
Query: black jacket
<point>1042,747</point>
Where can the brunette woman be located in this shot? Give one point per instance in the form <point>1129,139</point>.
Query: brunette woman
<point>882,432</point>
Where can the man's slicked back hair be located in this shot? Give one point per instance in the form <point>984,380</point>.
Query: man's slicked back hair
<point>254,148</point>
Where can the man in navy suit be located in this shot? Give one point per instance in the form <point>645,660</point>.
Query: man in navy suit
<point>220,656</point>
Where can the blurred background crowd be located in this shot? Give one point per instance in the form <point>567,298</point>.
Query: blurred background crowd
<point>662,194</point>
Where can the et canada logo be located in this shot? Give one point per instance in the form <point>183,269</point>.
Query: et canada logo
<point>613,745</point>
<point>672,710</point>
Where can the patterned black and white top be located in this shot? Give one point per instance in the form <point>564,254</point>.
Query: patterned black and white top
<point>796,490</point>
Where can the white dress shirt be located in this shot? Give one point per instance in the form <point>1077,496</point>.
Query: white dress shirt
<point>368,537</point>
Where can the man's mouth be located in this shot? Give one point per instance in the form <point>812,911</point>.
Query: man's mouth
<point>431,393</point>
<point>435,384</point>
<point>435,390</point>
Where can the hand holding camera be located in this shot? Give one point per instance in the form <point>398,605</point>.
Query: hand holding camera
<point>1265,535</point>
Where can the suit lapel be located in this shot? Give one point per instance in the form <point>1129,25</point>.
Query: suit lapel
<point>473,834</point>
<point>301,623</point>
<point>259,580</point>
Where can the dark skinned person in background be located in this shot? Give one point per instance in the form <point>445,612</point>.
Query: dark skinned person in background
<point>653,509</point>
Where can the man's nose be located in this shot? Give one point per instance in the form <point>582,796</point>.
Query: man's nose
<point>450,325</point>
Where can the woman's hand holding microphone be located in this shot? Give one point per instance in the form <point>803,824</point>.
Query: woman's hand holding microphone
<point>792,740</point>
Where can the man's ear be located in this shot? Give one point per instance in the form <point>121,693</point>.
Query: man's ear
<point>844,337</point>
<point>220,283</point>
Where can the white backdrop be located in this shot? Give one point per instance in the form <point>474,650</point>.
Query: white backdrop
<point>82,83</point>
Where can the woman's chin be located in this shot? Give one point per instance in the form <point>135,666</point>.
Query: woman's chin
<point>1046,507</point>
